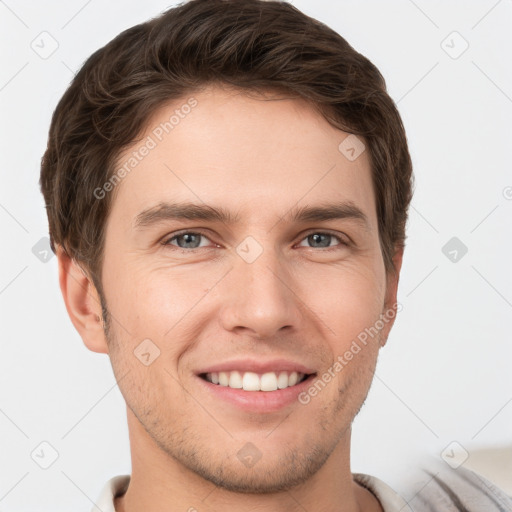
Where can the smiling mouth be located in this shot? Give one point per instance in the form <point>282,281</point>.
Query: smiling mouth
<point>251,381</point>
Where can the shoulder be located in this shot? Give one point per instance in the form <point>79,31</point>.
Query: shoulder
<point>460,489</point>
<point>433,486</point>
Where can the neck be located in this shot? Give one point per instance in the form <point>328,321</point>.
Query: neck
<point>159,482</point>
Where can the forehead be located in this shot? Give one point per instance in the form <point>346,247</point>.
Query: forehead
<point>255,155</point>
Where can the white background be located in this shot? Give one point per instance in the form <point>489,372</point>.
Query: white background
<point>445,373</point>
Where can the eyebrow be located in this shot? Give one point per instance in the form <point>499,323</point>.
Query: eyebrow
<point>192,211</point>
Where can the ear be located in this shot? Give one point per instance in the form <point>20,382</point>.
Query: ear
<point>390,303</point>
<point>82,302</point>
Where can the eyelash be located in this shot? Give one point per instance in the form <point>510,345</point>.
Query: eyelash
<point>166,242</point>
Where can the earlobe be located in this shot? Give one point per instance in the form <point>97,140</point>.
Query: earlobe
<point>82,302</point>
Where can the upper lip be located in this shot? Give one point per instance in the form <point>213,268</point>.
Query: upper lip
<point>257,366</point>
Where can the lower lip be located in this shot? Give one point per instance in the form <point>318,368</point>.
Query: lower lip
<point>258,401</point>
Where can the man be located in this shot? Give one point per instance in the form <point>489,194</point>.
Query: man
<point>227,189</point>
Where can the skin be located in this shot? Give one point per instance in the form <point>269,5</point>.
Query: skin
<point>298,300</point>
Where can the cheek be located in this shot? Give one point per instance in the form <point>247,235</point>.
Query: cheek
<point>158,303</point>
<point>347,299</point>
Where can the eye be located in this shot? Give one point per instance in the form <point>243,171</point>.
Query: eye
<point>194,240</point>
<point>187,240</point>
<point>323,240</point>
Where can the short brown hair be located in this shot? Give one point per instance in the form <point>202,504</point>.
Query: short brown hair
<point>249,44</point>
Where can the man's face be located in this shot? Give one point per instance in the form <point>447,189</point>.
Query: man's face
<point>267,291</point>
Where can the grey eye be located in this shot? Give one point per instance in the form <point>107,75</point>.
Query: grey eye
<point>187,240</point>
<point>320,239</point>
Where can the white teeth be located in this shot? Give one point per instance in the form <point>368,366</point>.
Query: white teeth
<point>235,380</point>
<point>282,380</point>
<point>268,382</point>
<point>223,378</point>
<point>250,381</point>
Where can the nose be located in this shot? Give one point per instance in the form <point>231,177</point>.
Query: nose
<point>258,298</point>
